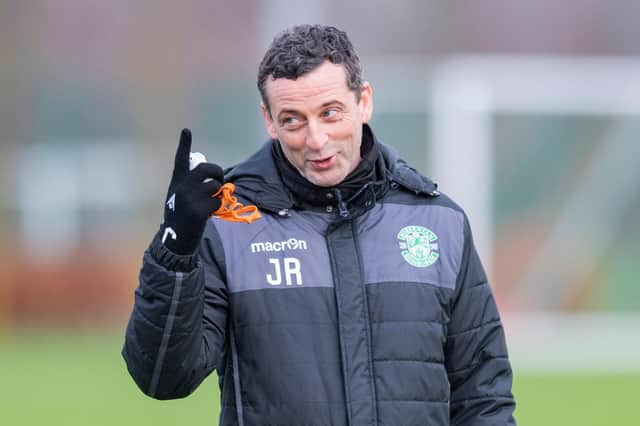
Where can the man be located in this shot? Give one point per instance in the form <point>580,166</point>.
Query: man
<point>357,298</point>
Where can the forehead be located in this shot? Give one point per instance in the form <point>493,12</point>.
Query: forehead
<point>323,83</point>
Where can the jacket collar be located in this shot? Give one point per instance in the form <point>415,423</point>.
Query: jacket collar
<point>258,179</point>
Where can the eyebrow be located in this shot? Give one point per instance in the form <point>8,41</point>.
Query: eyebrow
<point>295,112</point>
<point>288,111</point>
<point>335,101</point>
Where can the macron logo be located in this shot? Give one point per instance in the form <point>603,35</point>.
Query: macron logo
<point>269,246</point>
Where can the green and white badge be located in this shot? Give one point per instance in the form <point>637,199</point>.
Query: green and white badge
<point>419,246</point>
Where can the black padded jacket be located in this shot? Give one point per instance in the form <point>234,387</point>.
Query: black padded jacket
<point>369,311</point>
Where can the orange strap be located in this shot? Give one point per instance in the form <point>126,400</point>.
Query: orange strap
<point>231,209</point>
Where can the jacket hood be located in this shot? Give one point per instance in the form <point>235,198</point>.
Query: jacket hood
<point>258,180</point>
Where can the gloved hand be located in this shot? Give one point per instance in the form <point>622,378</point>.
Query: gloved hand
<point>189,201</point>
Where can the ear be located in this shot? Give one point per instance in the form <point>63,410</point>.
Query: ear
<point>366,102</point>
<point>268,122</point>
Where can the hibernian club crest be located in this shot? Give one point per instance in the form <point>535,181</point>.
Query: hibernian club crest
<point>418,245</point>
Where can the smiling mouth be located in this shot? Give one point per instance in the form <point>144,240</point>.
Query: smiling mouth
<point>323,163</point>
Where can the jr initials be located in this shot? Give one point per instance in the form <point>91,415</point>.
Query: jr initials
<point>291,271</point>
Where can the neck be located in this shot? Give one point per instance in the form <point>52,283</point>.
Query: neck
<point>309,193</point>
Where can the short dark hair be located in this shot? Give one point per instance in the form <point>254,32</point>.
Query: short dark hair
<point>303,48</point>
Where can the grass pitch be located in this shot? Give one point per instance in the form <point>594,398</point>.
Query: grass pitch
<point>55,378</point>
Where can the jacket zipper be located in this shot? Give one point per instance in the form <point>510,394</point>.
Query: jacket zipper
<point>343,357</point>
<point>365,298</point>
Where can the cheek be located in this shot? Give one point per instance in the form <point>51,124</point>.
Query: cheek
<point>293,148</point>
<point>350,136</point>
<point>291,142</point>
<point>344,131</point>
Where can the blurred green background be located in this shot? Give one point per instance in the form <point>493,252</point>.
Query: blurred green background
<point>528,114</point>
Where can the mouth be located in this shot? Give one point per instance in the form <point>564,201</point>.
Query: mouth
<point>323,163</point>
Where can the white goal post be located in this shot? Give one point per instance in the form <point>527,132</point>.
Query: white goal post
<point>463,98</point>
<point>467,91</point>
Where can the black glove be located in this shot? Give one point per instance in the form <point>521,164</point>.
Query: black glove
<point>189,201</point>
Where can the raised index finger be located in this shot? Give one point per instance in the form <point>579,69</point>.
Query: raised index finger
<point>182,154</point>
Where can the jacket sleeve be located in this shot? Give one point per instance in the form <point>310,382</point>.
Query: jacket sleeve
<point>476,354</point>
<point>176,332</point>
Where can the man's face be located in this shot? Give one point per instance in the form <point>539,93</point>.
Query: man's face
<point>318,122</point>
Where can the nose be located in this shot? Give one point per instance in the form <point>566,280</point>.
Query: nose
<point>316,137</point>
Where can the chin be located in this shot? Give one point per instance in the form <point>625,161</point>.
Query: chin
<point>324,181</point>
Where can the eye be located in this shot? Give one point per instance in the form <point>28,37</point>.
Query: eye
<point>290,122</point>
<point>331,113</point>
